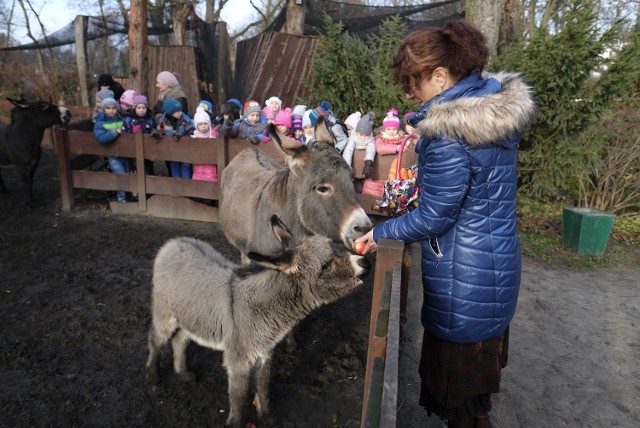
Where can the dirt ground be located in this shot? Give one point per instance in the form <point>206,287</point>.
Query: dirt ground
<point>74,319</point>
<point>574,350</point>
<point>75,312</point>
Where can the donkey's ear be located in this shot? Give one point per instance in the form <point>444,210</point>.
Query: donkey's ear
<point>280,230</point>
<point>22,102</point>
<point>289,146</point>
<point>281,262</point>
<point>322,133</point>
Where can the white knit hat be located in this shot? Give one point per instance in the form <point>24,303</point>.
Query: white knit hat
<point>353,119</point>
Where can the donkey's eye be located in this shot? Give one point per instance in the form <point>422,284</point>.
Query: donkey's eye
<point>327,265</point>
<point>324,190</point>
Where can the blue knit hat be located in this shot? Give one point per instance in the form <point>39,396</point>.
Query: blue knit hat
<point>171,106</point>
<point>235,101</point>
<point>103,94</point>
<point>324,110</point>
<point>108,102</point>
<point>208,107</point>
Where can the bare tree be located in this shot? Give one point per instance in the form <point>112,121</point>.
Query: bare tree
<point>212,12</point>
<point>179,14</point>
<point>487,17</point>
<point>32,37</point>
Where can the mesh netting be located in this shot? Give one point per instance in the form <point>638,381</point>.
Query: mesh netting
<point>358,20</point>
<point>97,28</point>
<point>361,20</point>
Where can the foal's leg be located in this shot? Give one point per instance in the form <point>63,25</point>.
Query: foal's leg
<point>263,378</point>
<point>159,334</point>
<point>179,344</point>
<point>239,378</point>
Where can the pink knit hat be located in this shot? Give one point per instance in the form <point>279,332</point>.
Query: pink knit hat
<point>168,79</point>
<point>391,120</point>
<point>284,118</point>
<point>126,100</point>
<point>139,99</point>
<point>268,113</point>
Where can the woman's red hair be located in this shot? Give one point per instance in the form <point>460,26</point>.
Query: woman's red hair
<point>459,47</point>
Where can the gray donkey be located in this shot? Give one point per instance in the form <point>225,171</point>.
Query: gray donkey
<point>312,193</point>
<point>243,310</point>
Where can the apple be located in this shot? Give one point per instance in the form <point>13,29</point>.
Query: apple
<point>359,247</point>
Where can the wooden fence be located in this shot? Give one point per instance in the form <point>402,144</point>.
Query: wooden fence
<point>159,196</point>
<point>388,308</point>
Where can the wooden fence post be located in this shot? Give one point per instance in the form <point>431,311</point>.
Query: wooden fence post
<point>64,167</point>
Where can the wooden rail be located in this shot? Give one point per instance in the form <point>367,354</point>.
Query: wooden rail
<point>388,307</point>
<point>159,196</point>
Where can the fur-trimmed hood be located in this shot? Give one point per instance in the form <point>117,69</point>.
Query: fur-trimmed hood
<point>474,111</point>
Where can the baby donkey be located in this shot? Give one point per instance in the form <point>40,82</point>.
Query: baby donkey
<point>241,310</point>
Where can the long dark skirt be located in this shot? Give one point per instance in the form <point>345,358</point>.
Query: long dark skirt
<point>458,380</point>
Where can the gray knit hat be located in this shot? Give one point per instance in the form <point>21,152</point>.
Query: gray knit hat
<point>365,124</point>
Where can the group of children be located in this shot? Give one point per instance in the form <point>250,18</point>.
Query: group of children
<point>130,113</point>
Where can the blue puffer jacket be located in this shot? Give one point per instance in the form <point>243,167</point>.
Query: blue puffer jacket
<point>466,218</point>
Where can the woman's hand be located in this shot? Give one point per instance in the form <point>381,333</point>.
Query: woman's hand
<point>370,244</point>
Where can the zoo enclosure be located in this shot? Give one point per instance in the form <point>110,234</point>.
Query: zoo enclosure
<point>77,149</point>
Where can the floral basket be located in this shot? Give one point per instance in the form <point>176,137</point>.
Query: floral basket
<point>400,195</point>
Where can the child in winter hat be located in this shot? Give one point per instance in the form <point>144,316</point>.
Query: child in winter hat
<point>275,103</point>
<point>249,128</point>
<point>107,128</point>
<point>296,122</point>
<point>268,115</point>
<point>299,109</point>
<point>390,137</point>
<point>362,139</point>
<point>230,110</point>
<point>102,94</point>
<point>324,110</point>
<point>307,128</point>
<point>202,121</point>
<point>283,121</point>
<point>126,100</point>
<point>250,108</point>
<point>139,120</point>
<point>174,122</point>
<point>207,107</point>
<point>352,121</point>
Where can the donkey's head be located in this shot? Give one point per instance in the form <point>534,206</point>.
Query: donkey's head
<point>322,182</point>
<point>329,269</point>
<point>37,113</point>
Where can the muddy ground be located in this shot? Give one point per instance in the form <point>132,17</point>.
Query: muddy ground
<point>74,316</point>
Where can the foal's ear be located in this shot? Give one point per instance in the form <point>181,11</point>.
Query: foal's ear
<point>281,261</point>
<point>322,133</point>
<point>290,147</point>
<point>281,231</point>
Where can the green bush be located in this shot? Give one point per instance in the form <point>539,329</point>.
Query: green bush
<point>560,69</point>
<point>355,75</point>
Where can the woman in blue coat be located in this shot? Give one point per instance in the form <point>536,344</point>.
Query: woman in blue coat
<point>470,125</point>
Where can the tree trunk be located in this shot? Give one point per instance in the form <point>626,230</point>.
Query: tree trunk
<point>486,16</point>
<point>295,19</point>
<point>181,12</point>
<point>80,24</point>
<point>511,25</point>
<point>138,47</point>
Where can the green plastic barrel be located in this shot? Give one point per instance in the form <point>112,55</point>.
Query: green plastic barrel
<point>586,230</point>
